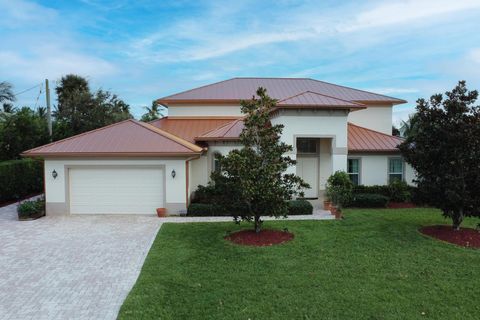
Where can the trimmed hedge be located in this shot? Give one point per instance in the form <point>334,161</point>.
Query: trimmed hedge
<point>369,200</point>
<point>20,178</point>
<point>397,191</point>
<point>295,207</point>
<point>299,207</point>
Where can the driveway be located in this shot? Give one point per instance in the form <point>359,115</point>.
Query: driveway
<point>72,267</point>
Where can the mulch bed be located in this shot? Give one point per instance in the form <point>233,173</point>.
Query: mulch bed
<point>465,237</point>
<point>263,238</point>
<point>400,205</point>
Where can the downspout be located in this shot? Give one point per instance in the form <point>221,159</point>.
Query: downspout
<point>187,175</point>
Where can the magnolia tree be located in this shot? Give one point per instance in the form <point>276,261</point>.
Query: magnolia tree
<point>254,178</point>
<point>444,149</point>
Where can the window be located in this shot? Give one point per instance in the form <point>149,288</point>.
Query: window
<point>353,170</point>
<point>307,145</point>
<point>395,169</point>
<point>216,165</point>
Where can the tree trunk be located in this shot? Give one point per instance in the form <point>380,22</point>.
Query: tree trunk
<point>457,219</point>
<point>258,224</point>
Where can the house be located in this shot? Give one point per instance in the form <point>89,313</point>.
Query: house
<point>135,167</point>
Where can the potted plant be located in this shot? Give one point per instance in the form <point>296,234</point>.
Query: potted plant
<point>339,190</point>
<point>31,210</point>
<point>161,212</point>
<point>327,203</point>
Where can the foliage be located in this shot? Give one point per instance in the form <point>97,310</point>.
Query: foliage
<point>29,209</point>
<point>80,110</point>
<point>299,207</point>
<point>395,131</point>
<point>255,176</point>
<point>408,128</point>
<point>6,94</point>
<point>383,190</point>
<point>368,200</point>
<point>444,151</point>
<point>372,265</point>
<point>153,113</point>
<point>22,130</point>
<point>339,189</point>
<point>399,191</point>
<point>205,210</point>
<point>20,178</point>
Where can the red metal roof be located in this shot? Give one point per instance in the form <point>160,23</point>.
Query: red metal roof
<point>126,138</point>
<point>229,131</point>
<point>361,139</point>
<point>309,98</point>
<point>189,128</point>
<point>236,89</point>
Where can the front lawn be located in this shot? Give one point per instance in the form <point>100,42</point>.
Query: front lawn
<point>372,265</point>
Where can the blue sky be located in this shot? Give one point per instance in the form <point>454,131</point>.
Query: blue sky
<point>143,50</point>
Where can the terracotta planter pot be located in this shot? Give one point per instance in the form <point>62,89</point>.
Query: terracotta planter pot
<point>332,210</point>
<point>161,212</point>
<point>338,214</point>
<point>327,205</point>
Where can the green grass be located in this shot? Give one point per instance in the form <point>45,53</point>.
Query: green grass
<point>372,265</point>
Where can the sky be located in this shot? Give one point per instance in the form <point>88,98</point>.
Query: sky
<point>144,50</point>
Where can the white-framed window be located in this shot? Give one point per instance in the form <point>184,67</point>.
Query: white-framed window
<point>307,145</point>
<point>353,170</point>
<point>395,169</point>
<point>216,165</point>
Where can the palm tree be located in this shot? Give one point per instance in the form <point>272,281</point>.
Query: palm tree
<point>6,93</point>
<point>153,113</point>
<point>409,128</point>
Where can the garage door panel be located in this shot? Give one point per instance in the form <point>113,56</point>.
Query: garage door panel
<point>116,190</point>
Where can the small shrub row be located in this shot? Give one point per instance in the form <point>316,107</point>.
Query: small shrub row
<point>31,209</point>
<point>299,207</point>
<point>20,178</point>
<point>368,200</point>
<point>397,191</point>
<point>296,207</point>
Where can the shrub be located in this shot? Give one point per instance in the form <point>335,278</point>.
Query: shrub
<point>299,207</point>
<point>31,209</point>
<point>369,200</point>
<point>205,210</point>
<point>399,191</point>
<point>20,178</point>
<point>376,189</point>
<point>339,189</point>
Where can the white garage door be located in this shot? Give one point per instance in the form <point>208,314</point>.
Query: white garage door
<point>110,190</point>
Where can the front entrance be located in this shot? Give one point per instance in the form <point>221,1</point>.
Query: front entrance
<point>307,169</point>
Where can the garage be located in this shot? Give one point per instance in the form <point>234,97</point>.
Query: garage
<point>116,190</point>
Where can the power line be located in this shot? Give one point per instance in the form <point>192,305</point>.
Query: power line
<point>19,93</point>
<point>39,93</point>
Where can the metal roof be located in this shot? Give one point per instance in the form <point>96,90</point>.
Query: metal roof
<point>233,90</point>
<point>309,98</point>
<point>189,128</point>
<point>126,138</point>
<point>361,139</point>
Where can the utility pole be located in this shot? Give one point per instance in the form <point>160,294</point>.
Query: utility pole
<point>49,110</point>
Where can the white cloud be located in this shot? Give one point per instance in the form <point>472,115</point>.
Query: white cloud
<point>20,13</point>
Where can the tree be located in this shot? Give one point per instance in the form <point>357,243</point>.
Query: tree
<point>6,96</point>
<point>395,131</point>
<point>80,110</point>
<point>408,128</point>
<point>255,177</point>
<point>21,130</point>
<point>153,113</point>
<point>444,150</point>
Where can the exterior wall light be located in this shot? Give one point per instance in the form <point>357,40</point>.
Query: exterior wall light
<point>54,174</point>
<point>173,174</point>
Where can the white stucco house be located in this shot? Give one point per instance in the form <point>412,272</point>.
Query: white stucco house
<point>133,167</point>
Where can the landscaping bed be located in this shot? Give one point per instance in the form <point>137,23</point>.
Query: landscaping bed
<point>465,237</point>
<point>260,239</point>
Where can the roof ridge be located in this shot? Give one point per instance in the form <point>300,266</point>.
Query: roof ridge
<point>170,136</point>
<point>339,85</point>
<point>321,94</point>
<point>204,86</point>
<point>217,128</point>
<point>76,136</point>
<point>388,135</point>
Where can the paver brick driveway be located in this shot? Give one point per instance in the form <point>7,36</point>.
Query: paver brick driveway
<point>73,267</point>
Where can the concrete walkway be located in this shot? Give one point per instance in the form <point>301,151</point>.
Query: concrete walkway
<point>77,267</point>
